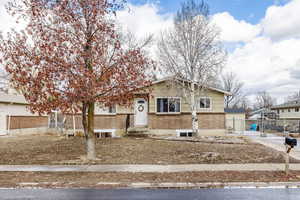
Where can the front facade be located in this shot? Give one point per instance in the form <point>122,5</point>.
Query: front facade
<point>161,111</point>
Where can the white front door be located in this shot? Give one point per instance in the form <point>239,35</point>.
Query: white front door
<point>140,112</point>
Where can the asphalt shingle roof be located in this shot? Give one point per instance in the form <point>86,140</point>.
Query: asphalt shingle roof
<point>234,110</point>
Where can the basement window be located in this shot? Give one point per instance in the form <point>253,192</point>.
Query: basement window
<point>186,134</point>
<point>104,133</point>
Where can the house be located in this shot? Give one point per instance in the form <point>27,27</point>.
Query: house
<point>289,110</point>
<point>14,114</point>
<point>235,119</point>
<point>161,111</point>
<point>264,113</point>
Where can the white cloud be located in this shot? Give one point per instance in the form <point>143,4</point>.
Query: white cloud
<point>233,30</point>
<point>282,22</point>
<point>144,20</point>
<point>7,21</point>
<point>266,65</point>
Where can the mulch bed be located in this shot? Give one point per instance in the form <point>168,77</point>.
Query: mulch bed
<point>84,179</point>
<point>42,150</point>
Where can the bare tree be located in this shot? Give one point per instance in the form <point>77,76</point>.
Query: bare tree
<point>295,96</point>
<point>264,100</point>
<point>191,53</point>
<point>232,84</point>
<point>132,42</point>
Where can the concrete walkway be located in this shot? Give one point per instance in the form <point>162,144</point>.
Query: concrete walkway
<point>274,142</point>
<point>146,168</point>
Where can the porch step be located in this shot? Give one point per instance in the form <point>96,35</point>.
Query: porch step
<point>138,131</point>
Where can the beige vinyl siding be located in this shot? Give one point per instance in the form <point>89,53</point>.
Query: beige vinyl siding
<point>289,115</point>
<point>165,90</point>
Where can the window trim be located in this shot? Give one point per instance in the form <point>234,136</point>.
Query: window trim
<point>168,113</point>
<point>210,106</point>
<point>106,113</point>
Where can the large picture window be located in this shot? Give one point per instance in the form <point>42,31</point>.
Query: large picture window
<point>205,103</point>
<point>168,105</point>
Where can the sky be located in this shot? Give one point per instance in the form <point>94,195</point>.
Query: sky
<point>262,37</point>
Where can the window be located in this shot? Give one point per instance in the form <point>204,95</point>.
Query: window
<point>289,110</point>
<point>282,111</point>
<point>168,105</point>
<point>205,102</point>
<point>186,134</point>
<point>296,109</point>
<point>112,109</point>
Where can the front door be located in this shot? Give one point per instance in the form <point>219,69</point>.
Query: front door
<point>140,112</point>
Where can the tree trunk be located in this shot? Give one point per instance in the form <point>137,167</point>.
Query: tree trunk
<point>88,127</point>
<point>195,124</point>
<point>91,140</point>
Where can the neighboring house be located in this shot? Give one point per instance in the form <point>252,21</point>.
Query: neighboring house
<point>235,118</point>
<point>264,113</point>
<point>161,111</point>
<point>289,110</point>
<point>15,115</point>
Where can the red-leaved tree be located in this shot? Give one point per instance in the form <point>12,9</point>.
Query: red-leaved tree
<point>69,57</point>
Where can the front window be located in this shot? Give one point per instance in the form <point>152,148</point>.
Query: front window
<point>112,109</point>
<point>168,105</point>
<point>205,103</point>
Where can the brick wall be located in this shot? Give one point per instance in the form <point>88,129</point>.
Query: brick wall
<point>184,121</point>
<point>212,120</point>
<point>20,122</point>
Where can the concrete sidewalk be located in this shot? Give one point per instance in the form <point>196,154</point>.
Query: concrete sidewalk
<point>147,168</point>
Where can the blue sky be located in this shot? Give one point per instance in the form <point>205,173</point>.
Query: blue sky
<point>251,11</point>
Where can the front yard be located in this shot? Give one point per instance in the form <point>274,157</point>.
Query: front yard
<point>42,150</point>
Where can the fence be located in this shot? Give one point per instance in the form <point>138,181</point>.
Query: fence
<point>263,125</point>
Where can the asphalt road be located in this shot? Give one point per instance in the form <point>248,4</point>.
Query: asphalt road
<point>202,194</point>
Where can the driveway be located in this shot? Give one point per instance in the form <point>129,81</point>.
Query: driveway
<point>273,141</point>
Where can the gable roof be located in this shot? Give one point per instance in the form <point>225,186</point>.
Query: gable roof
<point>291,104</point>
<point>209,87</point>
<point>12,98</point>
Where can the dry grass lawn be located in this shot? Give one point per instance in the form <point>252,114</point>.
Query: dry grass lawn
<point>91,180</point>
<point>44,150</point>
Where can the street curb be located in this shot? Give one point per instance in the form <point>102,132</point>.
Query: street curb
<point>179,185</point>
<point>230,185</point>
